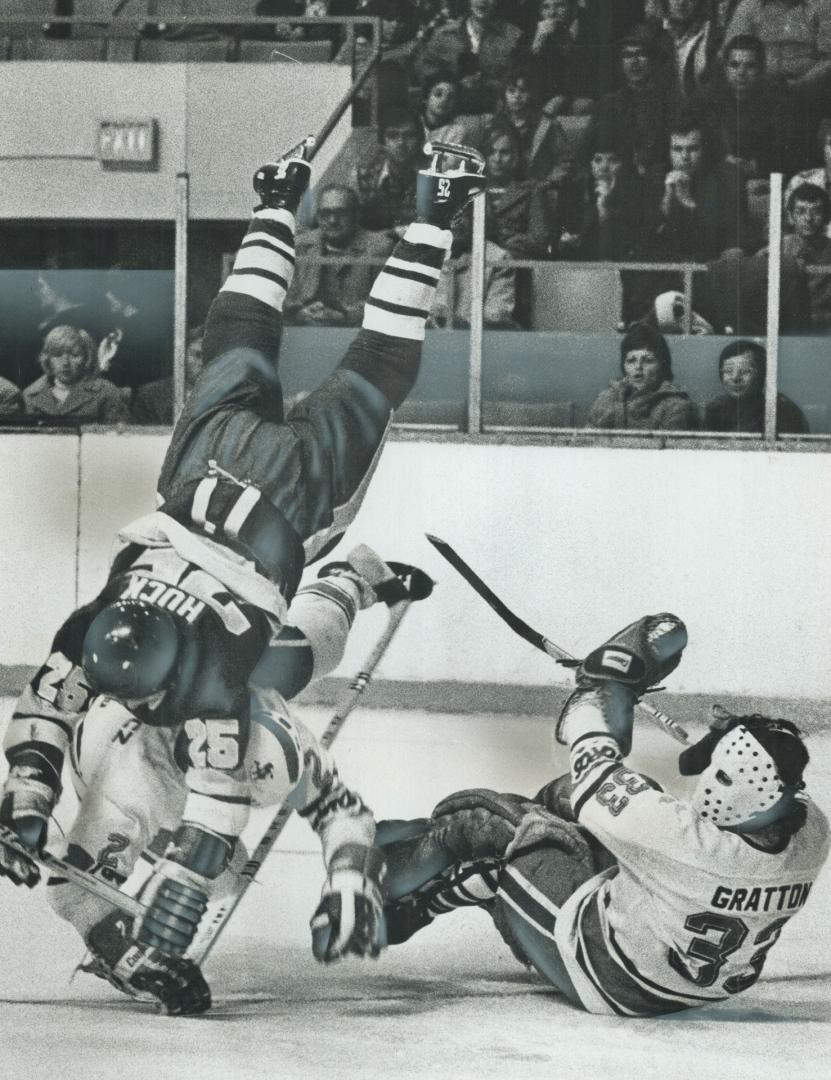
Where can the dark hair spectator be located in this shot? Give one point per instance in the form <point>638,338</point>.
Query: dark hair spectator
<point>741,368</point>
<point>70,387</point>
<point>477,48</point>
<point>441,119</point>
<point>820,176</point>
<point>386,183</point>
<point>687,45</point>
<point>571,63</point>
<point>335,295</point>
<point>544,146</point>
<point>704,210</point>
<point>645,398</point>
<point>808,209</point>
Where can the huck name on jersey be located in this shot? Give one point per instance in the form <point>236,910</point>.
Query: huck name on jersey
<point>163,596</point>
<point>771,898</point>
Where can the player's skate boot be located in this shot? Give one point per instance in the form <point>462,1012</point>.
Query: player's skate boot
<point>281,184</point>
<point>377,580</point>
<point>177,984</point>
<point>454,176</point>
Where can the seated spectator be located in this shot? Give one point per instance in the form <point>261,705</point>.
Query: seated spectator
<point>335,295</point>
<point>689,45</point>
<point>517,212</point>
<point>646,397</point>
<point>390,80</point>
<point>821,176</point>
<point>639,111</point>
<point>704,210</point>
<point>441,119</point>
<point>544,146</point>
<point>568,61</point>
<point>152,403</point>
<point>754,126</point>
<point>386,184</point>
<point>9,399</point>
<point>604,211</point>
<point>808,212</point>
<point>741,368</point>
<point>478,49</point>
<point>70,387</point>
<point>451,305</point>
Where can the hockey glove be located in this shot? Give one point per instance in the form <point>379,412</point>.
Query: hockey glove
<point>176,900</point>
<point>349,917</point>
<point>144,972</point>
<point>25,807</point>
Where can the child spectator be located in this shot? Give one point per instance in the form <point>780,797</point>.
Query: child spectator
<point>821,176</point>
<point>70,387</point>
<point>808,213</point>
<point>741,368</point>
<point>646,397</point>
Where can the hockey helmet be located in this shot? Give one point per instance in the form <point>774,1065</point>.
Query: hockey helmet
<point>130,650</point>
<point>750,770</point>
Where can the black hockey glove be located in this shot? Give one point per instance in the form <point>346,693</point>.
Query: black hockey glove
<point>349,917</point>
<point>25,807</point>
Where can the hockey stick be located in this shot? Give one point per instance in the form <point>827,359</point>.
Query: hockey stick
<point>102,889</point>
<point>532,636</point>
<point>209,933</point>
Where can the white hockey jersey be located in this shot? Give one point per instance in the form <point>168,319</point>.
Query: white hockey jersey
<point>690,912</point>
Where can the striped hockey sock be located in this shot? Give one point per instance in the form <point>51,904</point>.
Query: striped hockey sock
<point>402,296</point>
<point>264,266</point>
<point>468,885</point>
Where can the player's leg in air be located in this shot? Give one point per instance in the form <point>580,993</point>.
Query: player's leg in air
<point>284,488</point>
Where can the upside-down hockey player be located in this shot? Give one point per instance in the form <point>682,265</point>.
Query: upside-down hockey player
<point>180,634</point>
<point>628,900</point>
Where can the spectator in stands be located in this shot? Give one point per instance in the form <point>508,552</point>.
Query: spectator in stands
<point>604,210</point>
<point>139,311</point>
<point>568,60</point>
<point>70,387</point>
<point>821,176</point>
<point>390,80</point>
<point>10,403</point>
<point>386,184</point>
<point>152,403</point>
<point>704,210</point>
<point>808,212</point>
<point>640,110</point>
<point>741,368</point>
<point>284,30</point>
<point>689,45</point>
<point>797,39</point>
<point>646,397</point>
<point>441,119</point>
<point>335,295</point>
<point>478,49</point>
<point>733,294</point>
<point>754,127</point>
<point>517,210</point>
<point>544,147</point>
<point>452,302</point>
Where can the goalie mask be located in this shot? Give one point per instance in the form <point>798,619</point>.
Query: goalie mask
<point>130,650</point>
<point>750,771</point>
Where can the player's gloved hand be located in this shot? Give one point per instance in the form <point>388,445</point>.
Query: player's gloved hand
<point>176,900</point>
<point>349,917</point>
<point>25,806</point>
<point>141,971</point>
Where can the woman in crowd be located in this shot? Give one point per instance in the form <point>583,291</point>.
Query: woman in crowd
<point>741,368</point>
<point>71,387</point>
<point>646,397</point>
<point>517,217</point>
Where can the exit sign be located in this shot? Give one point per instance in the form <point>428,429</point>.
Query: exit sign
<point>128,144</point>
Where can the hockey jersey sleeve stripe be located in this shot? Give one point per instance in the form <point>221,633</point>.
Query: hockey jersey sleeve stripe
<point>580,801</point>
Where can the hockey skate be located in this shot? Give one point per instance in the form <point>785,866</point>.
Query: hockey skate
<point>377,580</point>
<point>144,973</point>
<point>455,175</point>
<point>281,184</point>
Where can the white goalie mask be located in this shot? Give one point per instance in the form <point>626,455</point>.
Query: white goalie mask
<point>741,784</point>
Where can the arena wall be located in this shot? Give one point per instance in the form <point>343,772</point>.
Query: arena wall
<point>579,540</point>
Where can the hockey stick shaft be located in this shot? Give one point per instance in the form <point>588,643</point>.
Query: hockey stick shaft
<point>532,636</point>
<point>210,932</point>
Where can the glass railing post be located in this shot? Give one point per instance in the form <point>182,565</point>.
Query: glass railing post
<point>774,275</point>
<point>180,288</point>
<point>477,304</point>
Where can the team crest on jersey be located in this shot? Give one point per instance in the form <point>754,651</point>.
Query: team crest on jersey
<point>163,596</point>
<point>262,772</point>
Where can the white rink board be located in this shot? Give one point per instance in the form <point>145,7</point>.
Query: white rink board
<point>578,540</point>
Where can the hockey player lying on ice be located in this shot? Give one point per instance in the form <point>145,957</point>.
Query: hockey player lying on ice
<point>180,634</point>
<point>629,901</point>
